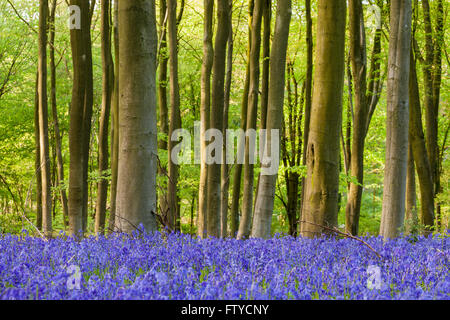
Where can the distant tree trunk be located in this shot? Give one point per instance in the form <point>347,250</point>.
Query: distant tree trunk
<point>114,124</point>
<point>37,159</point>
<point>60,160</point>
<point>107,91</point>
<point>216,115</point>
<point>208,58</point>
<point>237,175</point>
<point>262,219</point>
<point>419,150</point>
<point>393,213</point>
<point>322,181</point>
<point>252,112</point>
<point>175,117</point>
<point>411,203</point>
<point>225,167</point>
<point>43,122</point>
<point>136,181</point>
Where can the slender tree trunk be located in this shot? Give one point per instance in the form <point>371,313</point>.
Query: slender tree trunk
<point>208,58</point>
<point>308,93</point>
<point>175,117</point>
<point>58,147</point>
<point>431,112</point>
<point>359,63</point>
<point>419,150</point>
<point>322,181</point>
<point>411,204</point>
<point>237,175</point>
<point>252,111</point>
<point>37,161</point>
<point>266,194</point>
<point>136,181</point>
<point>114,124</point>
<point>88,109</point>
<point>162,76</point>
<point>107,91</point>
<point>397,120</point>
<point>216,115</point>
<point>225,167</point>
<point>43,122</point>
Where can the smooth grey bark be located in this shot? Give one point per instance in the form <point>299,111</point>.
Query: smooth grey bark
<point>136,181</point>
<point>262,219</point>
<point>393,212</point>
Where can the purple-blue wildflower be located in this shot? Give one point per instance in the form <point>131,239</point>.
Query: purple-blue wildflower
<point>177,266</point>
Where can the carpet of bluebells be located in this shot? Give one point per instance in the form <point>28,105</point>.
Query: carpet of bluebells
<point>176,266</point>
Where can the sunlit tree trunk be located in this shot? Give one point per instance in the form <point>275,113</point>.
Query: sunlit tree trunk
<point>393,212</point>
<point>107,90</point>
<point>322,182</point>
<point>262,219</point>
<point>43,122</point>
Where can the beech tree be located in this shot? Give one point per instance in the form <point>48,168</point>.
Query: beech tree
<point>397,119</point>
<point>322,182</point>
<point>43,122</point>
<point>136,181</point>
<point>264,202</point>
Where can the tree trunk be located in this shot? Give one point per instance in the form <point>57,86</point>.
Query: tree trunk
<point>393,213</point>
<point>225,167</point>
<point>262,219</point>
<point>216,115</point>
<point>419,150</point>
<point>208,58</point>
<point>107,89</point>
<point>359,71</point>
<point>252,111</point>
<point>411,203</point>
<point>175,117</point>
<point>77,136</point>
<point>59,158</point>
<point>237,175</point>
<point>37,159</point>
<point>136,181</point>
<point>43,122</point>
<point>322,181</point>
<point>114,124</point>
<point>308,93</point>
